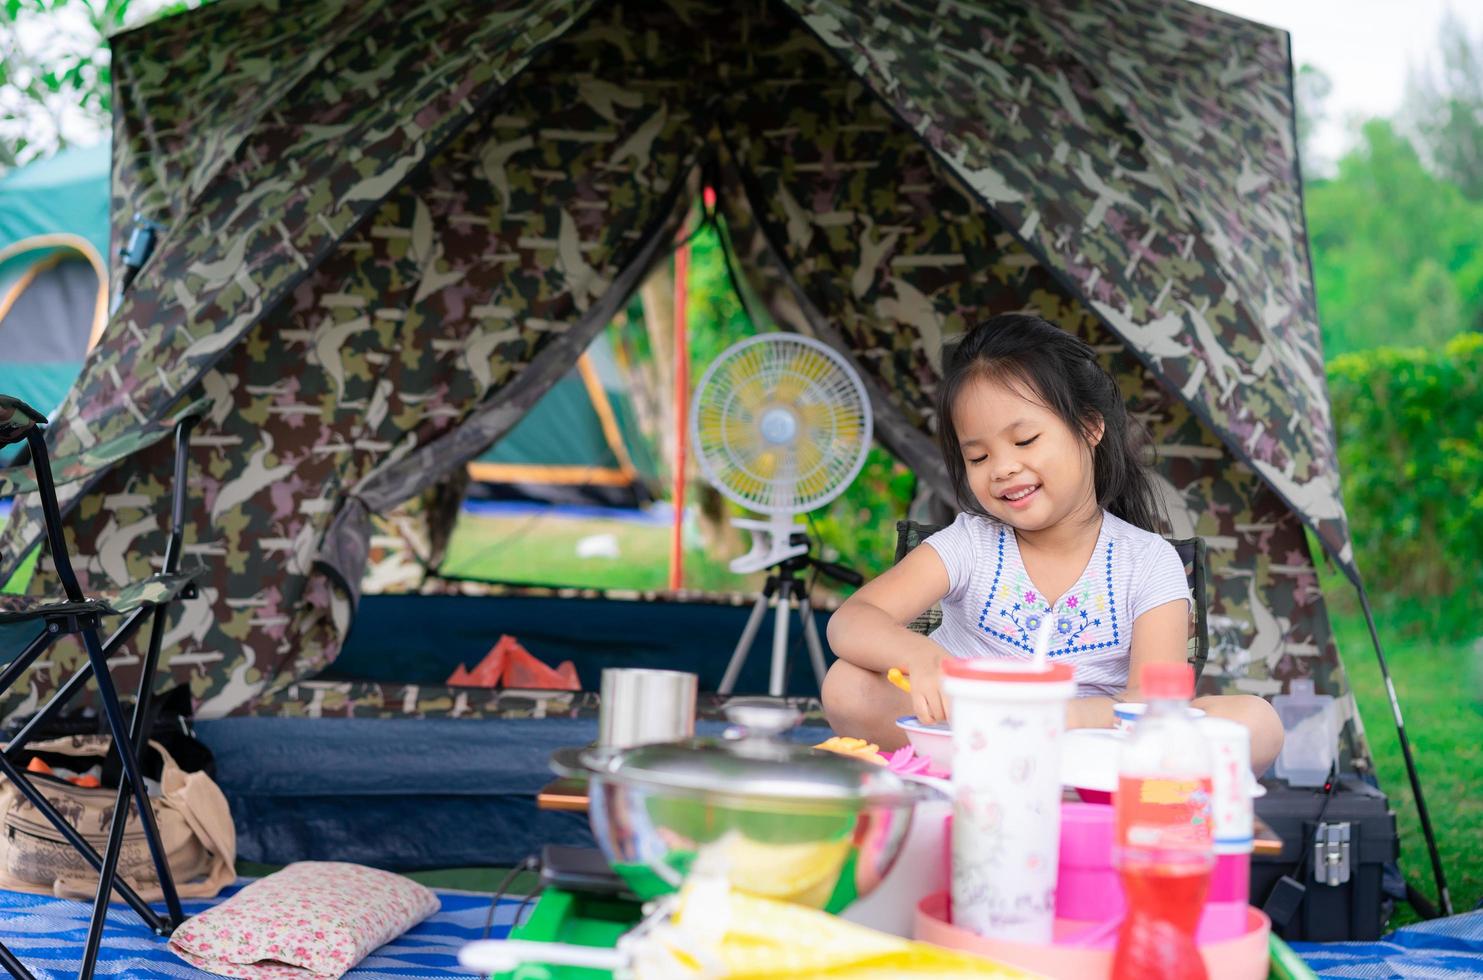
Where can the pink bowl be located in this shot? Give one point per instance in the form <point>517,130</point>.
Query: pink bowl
<point>1241,958</point>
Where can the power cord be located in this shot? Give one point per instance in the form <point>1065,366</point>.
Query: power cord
<point>1287,893</point>
<point>532,864</point>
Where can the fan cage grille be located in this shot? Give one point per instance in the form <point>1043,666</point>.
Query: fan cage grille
<point>796,379</point>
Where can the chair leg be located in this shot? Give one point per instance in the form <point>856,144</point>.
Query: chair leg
<point>120,731</point>
<point>69,690</point>
<point>137,737</point>
<point>14,966</point>
<point>78,842</point>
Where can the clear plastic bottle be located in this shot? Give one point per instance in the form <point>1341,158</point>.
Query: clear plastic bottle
<point>1164,845</point>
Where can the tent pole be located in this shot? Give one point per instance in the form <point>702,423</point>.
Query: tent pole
<point>681,416</point>
<point>1444,898</point>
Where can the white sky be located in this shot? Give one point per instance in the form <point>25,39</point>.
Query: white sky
<point>1364,46</point>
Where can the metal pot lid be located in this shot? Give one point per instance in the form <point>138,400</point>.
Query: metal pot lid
<point>753,765</point>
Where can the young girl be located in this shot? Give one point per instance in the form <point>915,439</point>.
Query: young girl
<point>1058,521</point>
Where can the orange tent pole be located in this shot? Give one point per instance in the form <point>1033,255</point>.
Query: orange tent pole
<point>682,417</point>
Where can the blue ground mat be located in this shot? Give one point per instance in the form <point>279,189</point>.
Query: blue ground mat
<point>407,794</point>
<point>47,935</point>
<point>1443,948</point>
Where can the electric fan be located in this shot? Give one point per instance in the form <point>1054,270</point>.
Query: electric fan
<point>781,425</point>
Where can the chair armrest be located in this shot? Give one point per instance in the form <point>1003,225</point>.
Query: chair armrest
<point>67,469</point>
<point>17,419</point>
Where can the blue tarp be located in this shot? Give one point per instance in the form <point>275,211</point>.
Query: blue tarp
<point>47,935</point>
<point>399,793</point>
<point>1437,950</point>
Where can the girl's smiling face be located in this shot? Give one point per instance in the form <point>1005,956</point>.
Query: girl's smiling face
<point>1025,466</point>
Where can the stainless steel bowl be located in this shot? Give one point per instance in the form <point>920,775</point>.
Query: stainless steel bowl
<point>778,820</point>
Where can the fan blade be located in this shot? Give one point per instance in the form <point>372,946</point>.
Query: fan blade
<point>740,438</point>
<point>802,370</point>
<point>809,454</point>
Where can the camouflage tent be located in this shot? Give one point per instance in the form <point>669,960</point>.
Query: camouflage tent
<point>391,226</point>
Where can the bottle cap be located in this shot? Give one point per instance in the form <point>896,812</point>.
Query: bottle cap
<point>1164,681</point>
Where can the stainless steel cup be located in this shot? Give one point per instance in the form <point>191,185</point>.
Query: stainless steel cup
<point>640,707</point>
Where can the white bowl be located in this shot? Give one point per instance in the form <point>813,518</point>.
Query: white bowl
<point>1089,758</point>
<point>933,741</point>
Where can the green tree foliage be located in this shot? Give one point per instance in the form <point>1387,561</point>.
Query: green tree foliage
<point>1410,425</point>
<point>1311,88</point>
<point>55,85</point>
<point>859,527</point>
<point>1444,105</point>
<point>1397,250</point>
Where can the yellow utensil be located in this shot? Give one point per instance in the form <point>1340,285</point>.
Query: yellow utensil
<point>895,676</point>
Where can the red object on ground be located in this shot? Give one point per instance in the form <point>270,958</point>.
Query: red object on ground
<point>36,765</point>
<point>489,671</point>
<point>523,670</point>
<point>508,664</point>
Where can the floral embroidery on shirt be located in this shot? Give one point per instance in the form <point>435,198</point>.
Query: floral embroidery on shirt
<point>1076,628</point>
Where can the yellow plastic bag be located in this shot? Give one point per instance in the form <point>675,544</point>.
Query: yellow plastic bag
<point>718,932</point>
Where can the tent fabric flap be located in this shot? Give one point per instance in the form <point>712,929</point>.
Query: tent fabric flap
<point>297,184</point>
<point>1149,163</point>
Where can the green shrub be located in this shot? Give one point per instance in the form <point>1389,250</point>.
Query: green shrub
<point>1410,431</point>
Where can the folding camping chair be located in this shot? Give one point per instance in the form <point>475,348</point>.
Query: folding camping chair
<point>909,534</point>
<point>75,614</point>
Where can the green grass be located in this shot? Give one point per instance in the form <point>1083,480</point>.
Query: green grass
<point>22,577</point>
<point>1439,683</point>
<point>542,550</point>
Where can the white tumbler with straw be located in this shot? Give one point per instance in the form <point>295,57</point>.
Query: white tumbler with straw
<point>1007,717</point>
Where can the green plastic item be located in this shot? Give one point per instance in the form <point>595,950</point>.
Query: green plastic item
<point>1284,963</point>
<point>569,917</point>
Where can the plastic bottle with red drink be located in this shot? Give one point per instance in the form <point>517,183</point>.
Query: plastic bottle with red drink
<point>1164,844</point>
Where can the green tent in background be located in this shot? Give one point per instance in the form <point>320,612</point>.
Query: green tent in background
<point>53,272</point>
<point>580,443</point>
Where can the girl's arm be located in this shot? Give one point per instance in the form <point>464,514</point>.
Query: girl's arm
<point>870,629</point>
<point>1159,635</point>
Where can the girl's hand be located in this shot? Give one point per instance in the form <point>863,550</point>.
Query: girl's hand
<point>926,687</point>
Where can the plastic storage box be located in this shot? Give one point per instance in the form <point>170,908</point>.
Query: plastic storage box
<point>1311,722</point>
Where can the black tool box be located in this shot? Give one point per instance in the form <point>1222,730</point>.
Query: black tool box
<point>1335,846</point>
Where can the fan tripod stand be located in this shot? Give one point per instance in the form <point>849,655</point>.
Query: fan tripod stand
<point>784,584</point>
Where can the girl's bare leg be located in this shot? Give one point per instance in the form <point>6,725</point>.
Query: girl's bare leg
<point>862,704</point>
<point>1258,717</point>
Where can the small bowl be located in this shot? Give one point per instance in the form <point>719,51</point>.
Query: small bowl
<point>933,741</point>
<point>1089,762</point>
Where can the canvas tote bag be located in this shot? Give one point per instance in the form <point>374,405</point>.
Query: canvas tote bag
<point>194,820</point>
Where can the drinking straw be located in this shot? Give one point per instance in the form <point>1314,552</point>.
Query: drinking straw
<point>1042,644</point>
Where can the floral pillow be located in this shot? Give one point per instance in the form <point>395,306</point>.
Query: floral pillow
<point>312,919</point>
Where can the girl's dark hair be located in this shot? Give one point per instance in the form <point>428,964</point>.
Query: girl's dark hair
<point>1062,371</point>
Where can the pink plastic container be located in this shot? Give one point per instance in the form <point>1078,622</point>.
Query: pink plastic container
<point>1242,957</point>
<point>1087,886</point>
<point>1089,891</point>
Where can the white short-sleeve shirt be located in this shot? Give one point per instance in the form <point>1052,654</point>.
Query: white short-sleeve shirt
<point>992,609</point>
